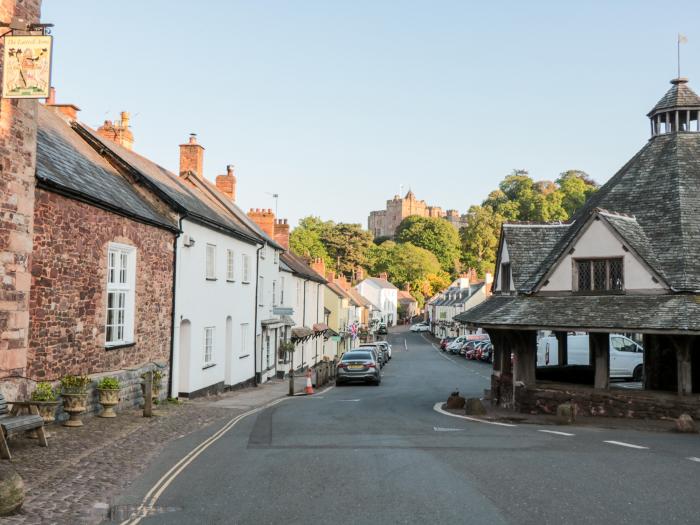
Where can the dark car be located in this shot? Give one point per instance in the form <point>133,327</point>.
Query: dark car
<point>382,329</point>
<point>487,353</point>
<point>358,365</point>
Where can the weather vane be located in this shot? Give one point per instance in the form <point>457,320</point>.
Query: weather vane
<point>681,40</point>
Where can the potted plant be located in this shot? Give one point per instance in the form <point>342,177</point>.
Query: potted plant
<point>155,387</point>
<point>46,393</point>
<point>74,394</point>
<point>108,390</point>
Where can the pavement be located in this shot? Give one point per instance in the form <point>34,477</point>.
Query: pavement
<point>363,454</point>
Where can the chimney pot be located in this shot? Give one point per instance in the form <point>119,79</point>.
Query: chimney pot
<point>229,169</point>
<point>193,138</point>
<point>52,97</point>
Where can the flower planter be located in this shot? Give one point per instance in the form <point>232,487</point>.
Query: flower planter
<point>48,412</point>
<point>109,398</point>
<point>74,405</point>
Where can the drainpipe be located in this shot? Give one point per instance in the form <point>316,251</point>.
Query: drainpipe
<point>303,323</point>
<point>255,323</point>
<point>318,292</point>
<point>173,314</point>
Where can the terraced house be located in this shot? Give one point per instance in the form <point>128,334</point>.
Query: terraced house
<point>628,261</point>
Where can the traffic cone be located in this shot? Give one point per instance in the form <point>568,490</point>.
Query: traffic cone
<point>309,387</point>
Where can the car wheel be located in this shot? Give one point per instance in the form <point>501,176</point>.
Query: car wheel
<point>638,372</point>
<point>338,383</point>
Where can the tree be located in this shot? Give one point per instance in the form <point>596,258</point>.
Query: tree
<point>479,239</point>
<point>575,186</point>
<point>434,234</point>
<point>305,239</point>
<point>347,246</point>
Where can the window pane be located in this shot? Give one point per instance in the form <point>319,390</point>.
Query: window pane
<point>124,259</point>
<point>616,275</point>
<point>110,334</point>
<point>111,266</point>
<point>599,275</point>
<point>584,275</point>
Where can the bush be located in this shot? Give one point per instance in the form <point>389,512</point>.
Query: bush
<point>157,376</point>
<point>75,384</point>
<point>44,392</point>
<point>109,383</point>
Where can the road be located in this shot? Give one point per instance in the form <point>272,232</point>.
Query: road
<point>365,454</point>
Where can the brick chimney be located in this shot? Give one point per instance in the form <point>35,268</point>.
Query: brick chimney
<point>68,110</point>
<point>383,276</point>
<point>281,236</point>
<point>319,266</point>
<point>192,157</point>
<point>342,281</point>
<point>359,274</point>
<point>265,219</point>
<point>118,131</point>
<point>407,287</point>
<point>226,184</point>
<point>488,281</point>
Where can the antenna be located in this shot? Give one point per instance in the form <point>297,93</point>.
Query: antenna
<point>276,197</point>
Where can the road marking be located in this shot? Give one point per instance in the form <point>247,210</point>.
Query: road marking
<point>693,458</point>
<point>405,345</point>
<point>349,400</point>
<point>628,445</point>
<point>443,429</point>
<point>438,408</point>
<point>323,391</point>
<point>164,482</point>
<point>556,432</point>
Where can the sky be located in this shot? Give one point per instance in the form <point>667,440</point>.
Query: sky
<point>336,106</point>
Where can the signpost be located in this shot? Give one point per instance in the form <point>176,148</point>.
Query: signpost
<point>26,66</point>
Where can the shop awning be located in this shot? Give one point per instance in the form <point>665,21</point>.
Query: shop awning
<point>301,332</point>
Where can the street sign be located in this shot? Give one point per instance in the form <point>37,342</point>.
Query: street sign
<point>26,67</point>
<point>280,310</point>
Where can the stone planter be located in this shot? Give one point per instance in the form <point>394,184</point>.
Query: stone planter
<point>48,412</point>
<point>74,405</point>
<point>11,491</point>
<point>109,398</point>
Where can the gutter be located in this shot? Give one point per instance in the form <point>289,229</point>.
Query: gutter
<point>255,322</point>
<point>174,313</point>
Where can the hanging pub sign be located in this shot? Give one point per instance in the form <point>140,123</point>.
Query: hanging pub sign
<point>26,66</point>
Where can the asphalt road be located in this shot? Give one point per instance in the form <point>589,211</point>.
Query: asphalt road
<point>365,454</point>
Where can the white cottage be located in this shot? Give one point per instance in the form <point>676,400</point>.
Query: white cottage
<point>382,295</point>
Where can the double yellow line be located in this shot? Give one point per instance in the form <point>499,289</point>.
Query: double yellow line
<point>164,482</point>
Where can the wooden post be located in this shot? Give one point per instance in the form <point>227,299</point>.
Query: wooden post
<point>600,345</point>
<point>685,372</point>
<point>525,357</point>
<point>148,395</point>
<point>562,348</point>
<point>291,381</point>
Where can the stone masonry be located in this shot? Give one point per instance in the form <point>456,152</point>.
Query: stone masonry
<point>17,165</point>
<point>68,296</point>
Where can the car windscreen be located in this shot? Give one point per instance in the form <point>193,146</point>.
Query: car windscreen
<point>357,356</point>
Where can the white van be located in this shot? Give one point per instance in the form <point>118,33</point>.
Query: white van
<point>626,356</point>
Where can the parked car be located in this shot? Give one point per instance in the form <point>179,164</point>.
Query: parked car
<point>420,327</point>
<point>626,356</point>
<point>357,365</point>
<point>383,346</point>
<point>487,353</point>
<point>377,352</point>
<point>382,329</point>
<point>386,346</point>
<point>446,341</point>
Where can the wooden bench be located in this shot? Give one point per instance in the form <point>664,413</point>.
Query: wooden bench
<point>11,422</point>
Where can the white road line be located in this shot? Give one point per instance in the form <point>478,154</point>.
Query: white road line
<point>628,445</point>
<point>438,408</point>
<point>443,429</point>
<point>556,432</point>
<point>405,345</point>
<point>349,400</point>
<point>693,458</point>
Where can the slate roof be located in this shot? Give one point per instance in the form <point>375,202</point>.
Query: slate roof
<point>381,283</point>
<point>528,246</point>
<point>170,186</point>
<point>300,267</point>
<point>67,164</point>
<point>627,313</point>
<point>357,297</point>
<point>405,297</point>
<point>680,95</point>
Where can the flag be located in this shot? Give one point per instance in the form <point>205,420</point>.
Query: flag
<point>682,39</point>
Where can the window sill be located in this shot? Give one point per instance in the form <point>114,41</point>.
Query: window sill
<point>244,356</point>
<point>117,346</point>
<point>211,278</point>
<point>210,365</point>
<point>245,282</point>
<point>599,292</point>
<point>230,280</point>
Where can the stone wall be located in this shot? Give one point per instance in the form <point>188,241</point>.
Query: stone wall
<point>18,124</point>
<point>544,399</point>
<point>68,295</point>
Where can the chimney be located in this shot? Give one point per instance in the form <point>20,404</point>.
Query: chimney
<point>192,157</point>
<point>281,233</point>
<point>342,281</point>
<point>265,219</point>
<point>384,276</point>
<point>407,287</point>
<point>68,110</point>
<point>118,132</point>
<point>319,266</point>
<point>359,274</point>
<point>226,184</point>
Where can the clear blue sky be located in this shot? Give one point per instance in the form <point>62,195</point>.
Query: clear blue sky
<point>335,104</point>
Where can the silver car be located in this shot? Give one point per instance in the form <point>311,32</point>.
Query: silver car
<point>380,355</point>
<point>358,365</point>
<point>382,345</point>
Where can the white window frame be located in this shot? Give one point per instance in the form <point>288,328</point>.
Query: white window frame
<point>208,345</point>
<point>261,291</point>
<point>210,262</point>
<point>125,260</point>
<point>246,268</point>
<point>244,340</point>
<point>281,290</point>
<point>230,265</point>
<point>274,293</point>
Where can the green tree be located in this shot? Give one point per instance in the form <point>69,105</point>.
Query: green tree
<point>479,238</point>
<point>305,239</point>
<point>347,246</point>
<point>434,234</point>
<point>575,186</point>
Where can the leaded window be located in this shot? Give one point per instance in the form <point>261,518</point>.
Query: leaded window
<point>120,294</point>
<point>598,275</point>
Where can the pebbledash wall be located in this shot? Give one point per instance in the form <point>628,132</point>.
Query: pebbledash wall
<point>68,294</point>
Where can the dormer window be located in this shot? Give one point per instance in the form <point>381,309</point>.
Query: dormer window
<point>598,275</point>
<point>505,277</point>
